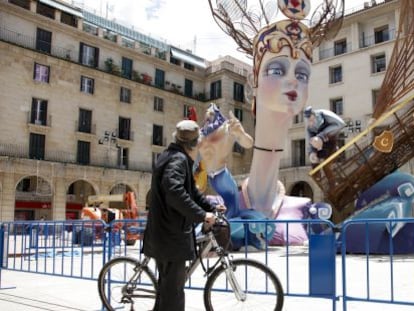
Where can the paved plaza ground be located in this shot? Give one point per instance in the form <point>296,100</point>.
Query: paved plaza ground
<point>31,291</point>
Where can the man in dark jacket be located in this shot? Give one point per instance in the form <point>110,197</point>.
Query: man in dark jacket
<point>176,204</point>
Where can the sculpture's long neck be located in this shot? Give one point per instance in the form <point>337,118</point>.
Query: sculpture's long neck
<point>271,133</point>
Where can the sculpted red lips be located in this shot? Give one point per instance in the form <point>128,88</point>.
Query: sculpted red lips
<point>292,95</point>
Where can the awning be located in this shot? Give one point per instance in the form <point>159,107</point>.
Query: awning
<point>188,58</point>
<point>62,7</point>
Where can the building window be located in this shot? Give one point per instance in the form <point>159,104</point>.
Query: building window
<point>83,155</point>
<point>68,19</point>
<point>89,28</point>
<point>378,63</point>
<point>38,113</point>
<point>41,73</point>
<point>188,88</point>
<point>37,146</point>
<point>158,104</point>
<point>87,85</point>
<point>375,94</point>
<point>188,66</point>
<point>85,121</point>
<point>25,4</point>
<point>123,157</point>
<point>159,78</point>
<point>157,135</point>
<point>125,95</point>
<point>337,106</point>
<point>174,61</point>
<point>186,111</point>
<point>45,10</point>
<point>238,113</point>
<point>335,74</point>
<point>124,128</point>
<point>127,67</point>
<point>238,92</point>
<point>298,152</point>
<point>88,55</point>
<point>297,119</point>
<point>215,90</point>
<point>340,47</point>
<point>43,40</point>
<point>381,34</point>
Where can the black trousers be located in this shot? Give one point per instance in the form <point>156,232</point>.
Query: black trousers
<point>171,281</point>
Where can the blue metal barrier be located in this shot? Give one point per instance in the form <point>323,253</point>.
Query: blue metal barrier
<point>78,249</point>
<point>396,270</point>
<point>64,248</point>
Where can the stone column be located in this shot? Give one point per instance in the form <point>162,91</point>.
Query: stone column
<point>59,200</point>
<point>8,196</point>
<point>33,6</point>
<point>58,15</point>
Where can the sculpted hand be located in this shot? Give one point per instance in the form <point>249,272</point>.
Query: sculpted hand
<point>235,127</point>
<point>221,208</point>
<point>316,142</point>
<point>313,158</point>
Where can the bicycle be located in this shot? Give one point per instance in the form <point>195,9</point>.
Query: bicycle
<point>127,283</point>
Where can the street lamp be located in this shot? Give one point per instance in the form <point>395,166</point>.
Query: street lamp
<point>110,138</point>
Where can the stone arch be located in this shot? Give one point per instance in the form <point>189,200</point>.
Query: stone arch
<point>77,194</point>
<point>33,198</point>
<point>301,189</point>
<point>121,188</point>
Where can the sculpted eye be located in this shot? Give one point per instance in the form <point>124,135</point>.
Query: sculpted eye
<point>301,76</point>
<point>275,72</point>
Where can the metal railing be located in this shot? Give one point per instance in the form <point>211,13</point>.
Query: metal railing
<point>78,249</point>
<point>104,160</point>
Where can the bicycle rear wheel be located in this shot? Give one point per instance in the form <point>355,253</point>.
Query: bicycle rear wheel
<point>124,284</point>
<point>262,288</point>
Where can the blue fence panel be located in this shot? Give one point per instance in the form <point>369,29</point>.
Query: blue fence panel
<point>64,248</point>
<point>377,249</point>
<point>78,249</point>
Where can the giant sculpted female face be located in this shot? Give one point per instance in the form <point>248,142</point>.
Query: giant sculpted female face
<point>282,67</point>
<point>283,82</point>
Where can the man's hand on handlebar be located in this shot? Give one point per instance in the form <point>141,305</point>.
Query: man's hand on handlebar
<point>221,208</point>
<point>210,218</point>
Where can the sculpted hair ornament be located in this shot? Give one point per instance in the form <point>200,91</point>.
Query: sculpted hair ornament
<point>252,25</point>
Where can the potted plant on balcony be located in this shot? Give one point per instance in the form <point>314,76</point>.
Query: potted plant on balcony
<point>111,67</point>
<point>146,78</point>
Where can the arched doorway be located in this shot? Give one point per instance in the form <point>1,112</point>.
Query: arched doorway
<point>33,199</point>
<point>77,197</point>
<point>120,188</point>
<point>302,189</point>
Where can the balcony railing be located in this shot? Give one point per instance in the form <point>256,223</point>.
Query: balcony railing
<point>106,159</point>
<point>39,121</point>
<point>335,51</point>
<point>60,52</point>
<point>366,41</point>
<point>30,43</point>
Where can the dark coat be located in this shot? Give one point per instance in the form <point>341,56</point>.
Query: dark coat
<point>176,204</point>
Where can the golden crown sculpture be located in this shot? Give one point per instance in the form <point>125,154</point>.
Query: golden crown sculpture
<point>252,25</point>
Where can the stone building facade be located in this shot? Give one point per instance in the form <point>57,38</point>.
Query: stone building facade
<point>88,104</point>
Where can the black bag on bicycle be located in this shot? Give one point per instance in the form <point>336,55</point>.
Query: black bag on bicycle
<point>222,234</point>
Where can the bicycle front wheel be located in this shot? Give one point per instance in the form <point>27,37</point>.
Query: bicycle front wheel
<point>260,289</point>
<point>125,284</point>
